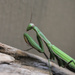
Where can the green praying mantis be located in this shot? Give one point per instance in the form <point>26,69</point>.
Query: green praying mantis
<point>63,59</point>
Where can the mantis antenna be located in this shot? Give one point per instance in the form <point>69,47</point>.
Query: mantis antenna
<point>32,8</point>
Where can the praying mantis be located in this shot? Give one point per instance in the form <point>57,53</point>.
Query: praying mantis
<point>63,59</point>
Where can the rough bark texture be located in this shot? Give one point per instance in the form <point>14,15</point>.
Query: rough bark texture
<point>14,61</point>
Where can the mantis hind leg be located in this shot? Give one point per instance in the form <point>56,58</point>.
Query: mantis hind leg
<point>50,72</point>
<point>69,63</point>
<point>49,66</point>
<point>29,49</point>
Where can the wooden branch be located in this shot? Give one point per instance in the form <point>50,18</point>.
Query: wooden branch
<point>24,62</point>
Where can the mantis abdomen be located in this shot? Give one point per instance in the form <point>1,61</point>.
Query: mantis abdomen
<point>63,56</point>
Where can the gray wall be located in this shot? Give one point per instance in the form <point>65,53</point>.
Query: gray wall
<point>55,18</point>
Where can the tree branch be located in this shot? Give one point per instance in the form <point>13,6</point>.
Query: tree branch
<point>30,63</point>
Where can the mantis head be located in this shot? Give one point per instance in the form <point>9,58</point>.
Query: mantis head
<point>30,26</point>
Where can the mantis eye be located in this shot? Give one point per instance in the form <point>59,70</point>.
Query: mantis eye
<point>31,24</point>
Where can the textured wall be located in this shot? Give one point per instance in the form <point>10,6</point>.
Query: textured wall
<point>55,18</point>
